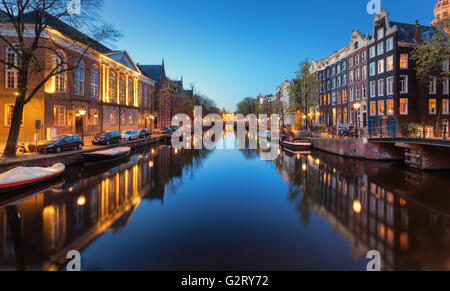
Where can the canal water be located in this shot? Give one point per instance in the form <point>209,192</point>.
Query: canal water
<point>229,210</point>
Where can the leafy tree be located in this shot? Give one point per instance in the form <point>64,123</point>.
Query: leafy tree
<point>247,106</point>
<point>23,18</point>
<point>429,56</point>
<point>304,90</point>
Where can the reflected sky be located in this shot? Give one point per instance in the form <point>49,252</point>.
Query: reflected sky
<point>229,210</point>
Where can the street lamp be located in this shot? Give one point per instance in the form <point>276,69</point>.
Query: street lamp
<point>82,112</point>
<point>356,106</point>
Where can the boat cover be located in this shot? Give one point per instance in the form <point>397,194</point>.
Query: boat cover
<point>24,174</point>
<point>112,152</point>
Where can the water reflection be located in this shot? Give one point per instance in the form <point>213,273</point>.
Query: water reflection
<point>37,232</point>
<point>374,206</point>
<point>232,211</point>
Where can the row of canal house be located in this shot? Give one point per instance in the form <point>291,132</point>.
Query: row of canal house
<point>377,73</point>
<point>108,91</point>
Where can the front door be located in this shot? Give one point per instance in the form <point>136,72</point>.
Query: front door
<point>78,125</point>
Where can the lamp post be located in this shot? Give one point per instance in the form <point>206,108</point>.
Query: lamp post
<point>356,106</point>
<point>81,113</point>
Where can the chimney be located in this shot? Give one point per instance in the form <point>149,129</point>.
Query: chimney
<point>418,32</point>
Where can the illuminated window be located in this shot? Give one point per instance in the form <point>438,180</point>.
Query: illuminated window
<point>381,66</point>
<point>403,106</point>
<point>59,63</point>
<point>9,110</point>
<point>95,82</point>
<point>403,61</point>
<point>112,88</point>
<point>445,106</point>
<point>59,115</point>
<point>381,107</point>
<point>390,107</point>
<point>79,79</point>
<point>121,90</point>
<point>344,95</point>
<point>113,117</point>
<point>390,63</point>
<point>94,116</point>
<point>432,106</point>
<point>373,108</point>
<point>364,72</point>
<point>130,92</point>
<point>130,117</point>
<point>11,71</point>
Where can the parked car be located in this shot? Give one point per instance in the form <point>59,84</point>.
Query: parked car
<point>130,135</point>
<point>143,133</point>
<point>107,138</point>
<point>166,130</point>
<point>62,143</point>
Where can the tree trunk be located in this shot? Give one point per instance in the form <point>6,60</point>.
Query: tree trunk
<point>14,130</point>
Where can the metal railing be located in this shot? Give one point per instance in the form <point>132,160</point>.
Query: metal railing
<point>410,131</point>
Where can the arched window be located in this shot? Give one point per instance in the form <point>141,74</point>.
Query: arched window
<point>130,92</point>
<point>122,90</point>
<point>59,62</point>
<point>112,87</point>
<point>11,72</point>
<point>94,82</point>
<point>79,79</point>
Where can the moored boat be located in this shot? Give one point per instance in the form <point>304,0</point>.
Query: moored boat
<point>106,156</point>
<point>297,145</point>
<point>26,177</point>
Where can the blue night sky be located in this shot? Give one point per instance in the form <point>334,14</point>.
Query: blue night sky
<point>238,48</point>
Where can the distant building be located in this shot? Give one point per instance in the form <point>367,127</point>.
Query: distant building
<point>441,11</point>
<point>287,117</point>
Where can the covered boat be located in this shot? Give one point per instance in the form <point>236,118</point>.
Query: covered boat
<point>105,156</point>
<point>297,145</point>
<point>25,177</point>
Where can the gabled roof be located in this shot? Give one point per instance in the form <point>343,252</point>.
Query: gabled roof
<point>67,31</point>
<point>405,31</point>
<point>124,58</point>
<point>152,71</point>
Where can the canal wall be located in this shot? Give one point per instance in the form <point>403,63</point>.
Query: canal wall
<point>72,157</point>
<point>360,149</point>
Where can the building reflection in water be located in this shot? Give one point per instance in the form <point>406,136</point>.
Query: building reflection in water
<point>37,232</point>
<point>395,217</point>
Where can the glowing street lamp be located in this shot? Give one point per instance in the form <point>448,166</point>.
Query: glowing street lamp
<point>81,113</point>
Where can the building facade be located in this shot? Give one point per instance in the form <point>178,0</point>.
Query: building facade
<point>107,91</point>
<point>441,11</point>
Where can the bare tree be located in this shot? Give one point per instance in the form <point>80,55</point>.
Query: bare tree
<point>26,29</point>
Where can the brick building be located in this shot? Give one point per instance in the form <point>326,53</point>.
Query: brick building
<point>106,92</point>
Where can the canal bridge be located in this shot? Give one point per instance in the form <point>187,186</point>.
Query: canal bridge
<point>428,152</point>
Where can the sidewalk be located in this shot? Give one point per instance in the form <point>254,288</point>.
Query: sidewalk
<point>32,158</point>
